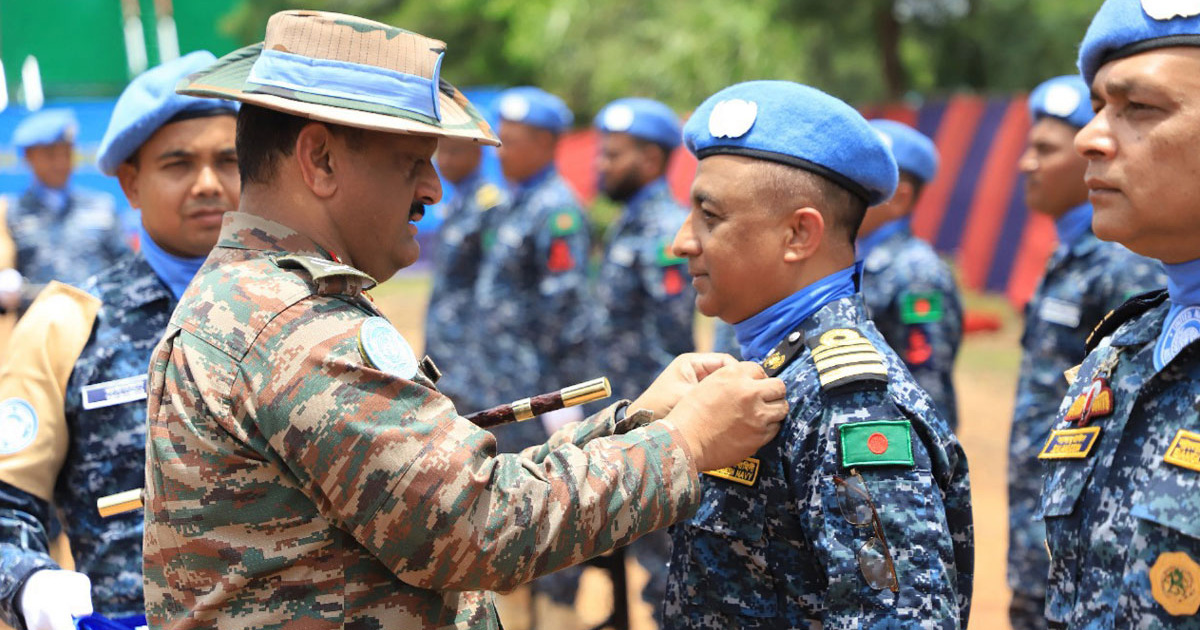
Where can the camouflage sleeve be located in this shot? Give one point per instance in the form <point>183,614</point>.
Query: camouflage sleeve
<point>390,461</point>
<point>562,323</point>
<point>24,546</point>
<point>932,326</point>
<point>1128,276</point>
<point>668,324</point>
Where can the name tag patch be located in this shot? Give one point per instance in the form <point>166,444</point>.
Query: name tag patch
<point>116,392</point>
<point>744,472</point>
<point>1070,443</point>
<point>1184,450</point>
<point>1060,312</point>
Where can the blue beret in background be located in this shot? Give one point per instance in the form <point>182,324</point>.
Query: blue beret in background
<point>45,127</point>
<point>641,118</point>
<point>914,151</point>
<point>1066,98</point>
<point>535,107</point>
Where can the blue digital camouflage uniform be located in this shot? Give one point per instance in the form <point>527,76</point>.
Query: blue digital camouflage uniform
<point>1081,283</point>
<point>913,300</point>
<point>452,329</point>
<point>725,339</point>
<point>531,292</point>
<point>777,552</point>
<point>1121,515</point>
<point>69,244</point>
<point>105,453</point>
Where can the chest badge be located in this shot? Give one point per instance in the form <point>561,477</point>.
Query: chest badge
<point>1175,583</point>
<point>1095,402</point>
<point>744,472</point>
<point>116,392</point>
<point>385,350</point>
<point>1184,450</point>
<point>774,360</point>
<point>1070,443</point>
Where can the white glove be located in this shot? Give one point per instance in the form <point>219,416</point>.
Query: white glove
<point>51,599</point>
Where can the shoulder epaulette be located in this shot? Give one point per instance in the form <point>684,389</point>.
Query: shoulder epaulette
<point>331,278</point>
<point>488,196</point>
<point>1133,307</point>
<point>779,357</point>
<point>843,356</point>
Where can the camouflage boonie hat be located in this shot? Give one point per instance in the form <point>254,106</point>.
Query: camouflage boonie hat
<point>345,70</point>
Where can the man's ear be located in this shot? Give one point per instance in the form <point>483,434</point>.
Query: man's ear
<point>805,231</point>
<point>127,176</point>
<point>314,154</point>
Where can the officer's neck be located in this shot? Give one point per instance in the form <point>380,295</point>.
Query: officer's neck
<point>292,206</point>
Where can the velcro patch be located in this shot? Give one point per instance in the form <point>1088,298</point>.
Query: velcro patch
<point>565,222</point>
<point>1184,450</point>
<point>921,308</point>
<point>744,472</point>
<point>116,392</point>
<point>844,356</point>
<point>876,443</point>
<point>1070,443</point>
<point>18,425</point>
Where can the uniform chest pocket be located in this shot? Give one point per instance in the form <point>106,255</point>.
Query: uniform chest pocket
<point>729,557</point>
<point>1065,481</point>
<point>1171,496</point>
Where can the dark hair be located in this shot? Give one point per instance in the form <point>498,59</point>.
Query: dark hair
<point>788,185</point>
<point>266,135</point>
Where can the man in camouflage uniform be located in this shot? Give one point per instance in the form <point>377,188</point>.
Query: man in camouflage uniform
<point>1084,279</point>
<point>74,416</point>
<point>1122,462</point>
<point>910,292</point>
<point>533,279</point>
<point>452,322</point>
<point>61,232</point>
<point>302,468</point>
<point>858,514</point>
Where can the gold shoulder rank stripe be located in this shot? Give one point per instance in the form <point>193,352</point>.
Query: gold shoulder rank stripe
<point>1184,450</point>
<point>744,472</point>
<point>844,355</point>
<point>1070,443</point>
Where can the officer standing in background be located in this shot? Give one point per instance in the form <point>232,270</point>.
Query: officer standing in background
<point>533,279</point>
<point>452,326</point>
<point>61,232</point>
<point>1084,279</point>
<point>73,425</point>
<point>302,467</point>
<point>1122,490</point>
<point>858,514</point>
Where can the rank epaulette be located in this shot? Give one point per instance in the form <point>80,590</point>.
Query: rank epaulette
<point>1133,307</point>
<point>843,356</point>
<point>331,277</point>
<point>779,357</point>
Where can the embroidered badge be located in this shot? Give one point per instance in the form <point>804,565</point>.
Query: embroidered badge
<point>744,472</point>
<point>774,360</point>
<point>564,223</point>
<point>1175,583</point>
<point>1180,333</point>
<point>115,392</point>
<point>1060,312</point>
<point>1070,443</point>
<point>18,425</point>
<point>618,118</point>
<point>843,356</point>
<point>732,118</point>
<point>876,443</point>
<point>1169,9</point>
<point>920,308</point>
<point>668,259</point>
<point>919,351</point>
<point>672,281</point>
<point>1061,100</point>
<point>560,257</point>
<point>1095,402</point>
<point>488,196</point>
<point>384,349</point>
<point>1184,450</point>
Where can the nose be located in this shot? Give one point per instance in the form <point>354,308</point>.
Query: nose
<point>685,245</point>
<point>429,186</point>
<point>1095,141</point>
<point>1028,162</point>
<point>207,183</point>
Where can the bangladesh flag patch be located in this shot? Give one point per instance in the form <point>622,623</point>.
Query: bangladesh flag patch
<point>564,223</point>
<point>668,259</point>
<point>920,308</point>
<point>876,443</point>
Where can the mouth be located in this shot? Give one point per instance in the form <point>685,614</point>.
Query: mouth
<point>1097,185</point>
<point>207,215</point>
<point>416,212</point>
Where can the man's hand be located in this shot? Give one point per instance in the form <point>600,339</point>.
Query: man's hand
<point>730,414</point>
<point>51,598</point>
<point>678,379</point>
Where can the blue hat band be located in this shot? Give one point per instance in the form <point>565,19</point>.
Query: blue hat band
<point>790,160</point>
<point>346,80</point>
<point>1166,41</point>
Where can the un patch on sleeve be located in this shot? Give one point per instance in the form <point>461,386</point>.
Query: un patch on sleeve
<point>18,425</point>
<point>384,349</point>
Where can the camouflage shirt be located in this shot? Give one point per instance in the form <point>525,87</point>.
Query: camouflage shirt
<point>645,294</point>
<point>913,299</point>
<point>451,327</point>
<point>1121,505</point>
<point>771,548</point>
<point>1082,282</point>
<point>303,472</point>
<point>67,245</point>
<point>105,419</point>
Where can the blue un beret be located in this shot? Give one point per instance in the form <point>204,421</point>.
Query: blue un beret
<point>1127,27</point>
<point>1066,98</point>
<point>535,107</point>
<point>799,126</point>
<point>149,102</point>
<point>641,118</point>
<point>45,127</point>
<point>914,151</point>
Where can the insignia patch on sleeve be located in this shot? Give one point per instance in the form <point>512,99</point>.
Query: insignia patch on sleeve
<point>560,259</point>
<point>844,356</point>
<point>666,258</point>
<point>488,196</point>
<point>564,223</point>
<point>744,472</point>
<point>1184,450</point>
<point>876,443</point>
<point>1175,583</point>
<point>384,349</point>
<point>18,425</point>
<point>920,308</point>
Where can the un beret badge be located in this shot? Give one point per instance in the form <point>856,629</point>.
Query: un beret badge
<point>1062,100</point>
<point>732,118</point>
<point>1170,9</point>
<point>514,107</point>
<point>618,118</point>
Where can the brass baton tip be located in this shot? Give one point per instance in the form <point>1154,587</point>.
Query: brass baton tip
<point>119,503</point>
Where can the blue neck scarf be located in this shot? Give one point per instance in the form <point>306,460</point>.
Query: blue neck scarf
<point>175,272</point>
<point>869,242</point>
<point>758,334</point>
<point>1183,286</point>
<point>53,198</point>
<point>1074,224</point>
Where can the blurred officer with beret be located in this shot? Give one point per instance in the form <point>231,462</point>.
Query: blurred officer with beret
<point>910,292</point>
<point>74,384</point>
<point>58,231</point>
<point>1084,279</point>
<point>302,467</point>
<point>858,514</point>
<point>1122,458</point>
